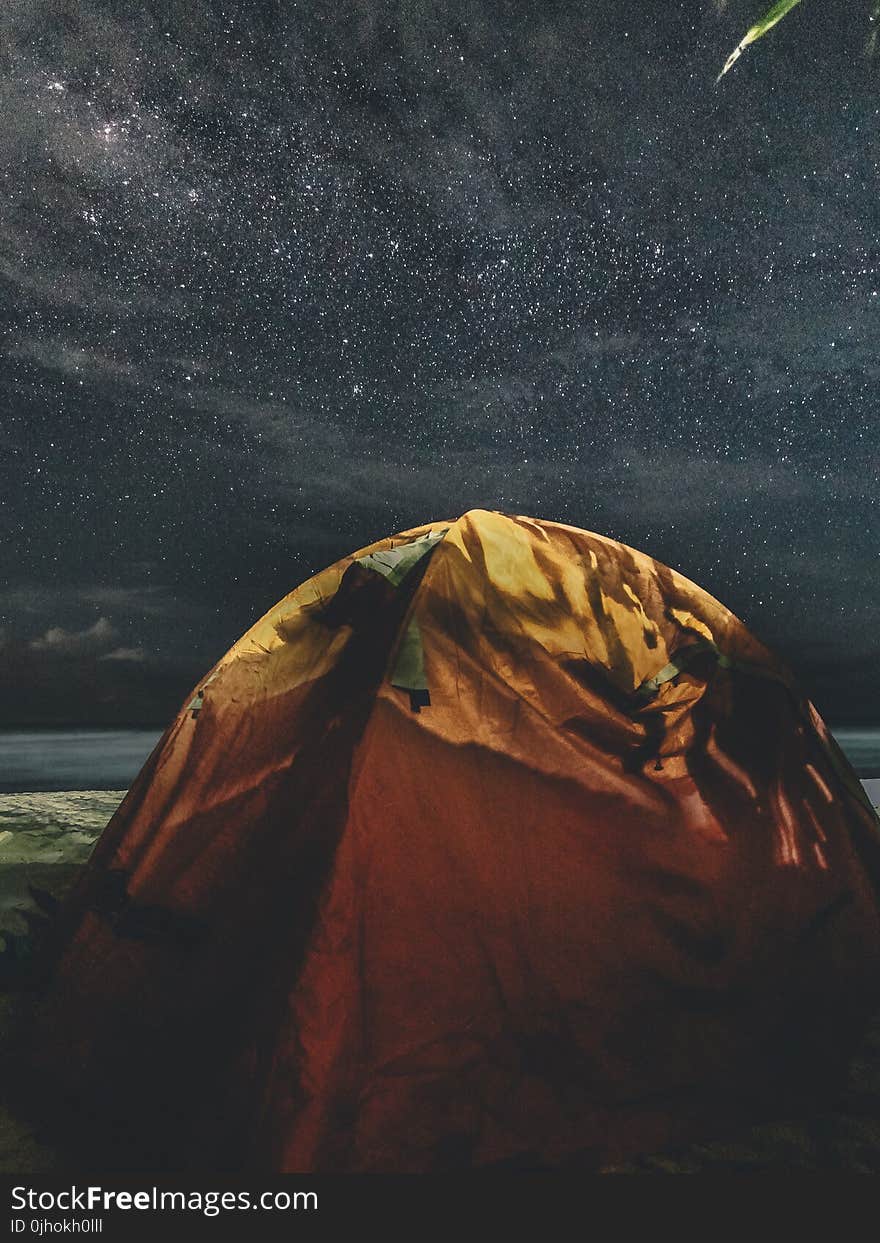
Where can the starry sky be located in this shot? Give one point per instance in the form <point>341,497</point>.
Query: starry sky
<point>279,278</point>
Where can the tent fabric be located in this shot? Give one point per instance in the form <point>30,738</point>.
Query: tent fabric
<point>396,562</point>
<point>611,888</point>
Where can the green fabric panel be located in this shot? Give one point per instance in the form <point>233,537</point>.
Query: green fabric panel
<point>409,668</point>
<point>395,563</point>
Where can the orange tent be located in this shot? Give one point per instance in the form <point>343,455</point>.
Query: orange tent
<point>496,842</point>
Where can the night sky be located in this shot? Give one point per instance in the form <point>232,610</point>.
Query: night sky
<point>279,279</point>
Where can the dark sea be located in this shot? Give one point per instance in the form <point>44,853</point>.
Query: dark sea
<point>71,759</point>
<point>44,761</point>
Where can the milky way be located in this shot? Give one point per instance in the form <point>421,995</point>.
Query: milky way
<point>279,279</point>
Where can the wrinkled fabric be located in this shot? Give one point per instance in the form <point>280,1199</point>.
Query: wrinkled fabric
<point>568,911</point>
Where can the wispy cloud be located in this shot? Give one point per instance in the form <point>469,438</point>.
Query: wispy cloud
<point>139,600</point>
<point>77,642</point>
<point>135,655</point>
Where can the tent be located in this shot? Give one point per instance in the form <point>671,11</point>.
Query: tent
<point>497,843</point>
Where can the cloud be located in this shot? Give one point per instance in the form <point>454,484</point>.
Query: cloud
<point>69,358</point>
<point>77,642</point>
<point>131,601</point>
<point>112,602</point>
<point>131,654</point>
